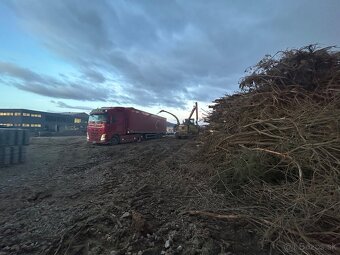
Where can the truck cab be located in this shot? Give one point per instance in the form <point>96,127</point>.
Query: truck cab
<point>106,126</point>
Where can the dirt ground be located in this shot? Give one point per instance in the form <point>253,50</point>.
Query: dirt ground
<point>74,198</point>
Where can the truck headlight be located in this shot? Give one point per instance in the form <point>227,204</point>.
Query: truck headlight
<point>103,137</point>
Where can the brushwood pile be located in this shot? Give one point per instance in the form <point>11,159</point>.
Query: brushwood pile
<point>276,145</point>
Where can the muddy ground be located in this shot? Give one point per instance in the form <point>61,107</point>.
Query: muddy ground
<point>74,198</point>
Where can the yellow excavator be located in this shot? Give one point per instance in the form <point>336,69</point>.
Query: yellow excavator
<point>189,127</point>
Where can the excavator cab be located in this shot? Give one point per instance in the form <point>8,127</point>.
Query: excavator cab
<point>187,129</point>
<point>189,121</point>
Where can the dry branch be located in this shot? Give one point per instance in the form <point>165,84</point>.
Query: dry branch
<point>279,141</point>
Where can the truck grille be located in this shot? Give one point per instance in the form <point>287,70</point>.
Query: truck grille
<point>94,135</point>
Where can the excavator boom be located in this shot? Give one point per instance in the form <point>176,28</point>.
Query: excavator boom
<point>178,123</point>
<point>192,112</point>
<point>187,129</point>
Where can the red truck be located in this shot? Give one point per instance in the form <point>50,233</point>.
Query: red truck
<point>114,125</point>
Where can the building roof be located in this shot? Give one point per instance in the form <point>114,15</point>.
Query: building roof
<point>75,114</point>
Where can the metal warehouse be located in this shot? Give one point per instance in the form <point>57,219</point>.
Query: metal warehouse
<point>42,121</point>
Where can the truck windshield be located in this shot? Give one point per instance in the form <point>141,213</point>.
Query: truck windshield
<point>98,118</point>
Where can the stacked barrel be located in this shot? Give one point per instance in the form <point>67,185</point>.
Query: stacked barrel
<point>13,143</point>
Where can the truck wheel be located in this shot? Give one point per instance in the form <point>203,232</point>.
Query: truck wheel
<point>115,140</point>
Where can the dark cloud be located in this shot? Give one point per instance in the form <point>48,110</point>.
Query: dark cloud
<point>168,52</point>
<point>30,81</point>
<point>93,76</point>
<point>61,104</point>
<point>66,91</point>
<point>9,69</point>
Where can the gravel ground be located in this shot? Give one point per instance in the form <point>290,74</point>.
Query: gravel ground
<point>75,198</point>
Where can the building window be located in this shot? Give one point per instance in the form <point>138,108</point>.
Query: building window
<point>17,114</point>
<point>77,120</point>
<point>26,114</point>
<point>25,125</point>
<point>6,124</point>
<point>17,125</point>
<point>6,113</point>
<point>35,125</point>
<point>36,115</point>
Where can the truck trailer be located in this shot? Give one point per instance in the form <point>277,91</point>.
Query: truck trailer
<point>114,125</point>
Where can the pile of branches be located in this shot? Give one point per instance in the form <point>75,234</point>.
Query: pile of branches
<point>278,141</point>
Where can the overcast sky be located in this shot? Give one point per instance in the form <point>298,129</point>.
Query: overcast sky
<point>74,55</point>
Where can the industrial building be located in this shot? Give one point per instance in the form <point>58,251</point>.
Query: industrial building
<point>42,121</point>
